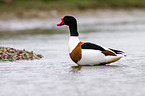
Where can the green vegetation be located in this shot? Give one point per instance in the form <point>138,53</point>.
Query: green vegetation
<point>32,8</point>
<point>67,4</point>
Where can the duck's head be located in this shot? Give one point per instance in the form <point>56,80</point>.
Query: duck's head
<point>72,23</point>
<point>67,20</point>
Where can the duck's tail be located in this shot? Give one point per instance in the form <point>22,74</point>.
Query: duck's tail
<point>118,52</point>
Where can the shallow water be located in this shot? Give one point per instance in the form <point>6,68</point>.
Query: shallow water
<point>56,74</point>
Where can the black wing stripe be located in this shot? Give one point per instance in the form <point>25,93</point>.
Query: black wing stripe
<point>116,51</point>
<point>92,46</point>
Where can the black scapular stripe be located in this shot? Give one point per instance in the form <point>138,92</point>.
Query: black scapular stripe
<point>92,46</point>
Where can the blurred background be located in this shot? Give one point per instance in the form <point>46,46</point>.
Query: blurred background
<point>31,25</point>
<point>42,14</point>
<point>28,10</point>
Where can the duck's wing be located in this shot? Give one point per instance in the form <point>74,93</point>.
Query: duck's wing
<point>97,47</point>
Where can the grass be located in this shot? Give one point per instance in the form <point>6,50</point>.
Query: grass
<point>20,7</point>
<point>124,3</point>
<point>69,4</point>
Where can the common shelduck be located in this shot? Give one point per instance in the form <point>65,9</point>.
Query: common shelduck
<point>86,53</point>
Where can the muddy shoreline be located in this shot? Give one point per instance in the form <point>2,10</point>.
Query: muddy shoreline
<point>48,20</point>
<point>45,14</point>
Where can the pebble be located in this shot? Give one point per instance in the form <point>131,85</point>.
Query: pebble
<point>11,54</point>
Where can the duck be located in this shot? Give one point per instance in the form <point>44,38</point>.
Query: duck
<point>87,53</point>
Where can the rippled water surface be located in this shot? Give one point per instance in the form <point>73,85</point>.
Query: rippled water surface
<point>57,75</point>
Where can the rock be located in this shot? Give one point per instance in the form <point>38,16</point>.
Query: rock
<point>11,54</point>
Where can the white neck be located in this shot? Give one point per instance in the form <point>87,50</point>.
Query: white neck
<point>73,42</point>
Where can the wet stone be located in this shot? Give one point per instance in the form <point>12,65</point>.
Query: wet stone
<point>11,54</point>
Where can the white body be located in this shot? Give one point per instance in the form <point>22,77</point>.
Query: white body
<point>94,57</point>
<point>89,56</point>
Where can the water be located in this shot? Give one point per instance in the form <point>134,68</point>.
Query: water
<point>57,75</point>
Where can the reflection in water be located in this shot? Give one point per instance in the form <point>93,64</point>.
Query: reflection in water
<point>78,68</point>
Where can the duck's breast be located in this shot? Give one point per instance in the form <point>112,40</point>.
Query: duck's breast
<point>76,54</point>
